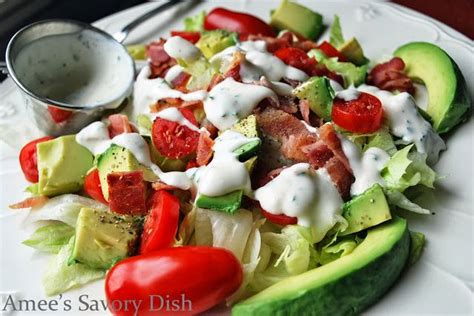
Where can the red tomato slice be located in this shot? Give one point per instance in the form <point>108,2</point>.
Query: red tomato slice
<point>232,21</point>
<point>197,278</point>
<point>173,140</point>
<point>92,186</point>
<point>59,115</point>
<point>161,224</point>
<point>331,51</point>
<point>29,161</point>
<point>281,219</point>
<point>192,37</point>
<point>297,58</point>
<point>362,115</point>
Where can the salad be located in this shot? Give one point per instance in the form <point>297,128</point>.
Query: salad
<point>258,166</point>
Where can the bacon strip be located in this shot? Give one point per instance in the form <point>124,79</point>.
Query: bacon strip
<point>119,124</point>
<point>127,193</point>
<point>390,76</point>
<point>160,61</point>
<point>204,148</point>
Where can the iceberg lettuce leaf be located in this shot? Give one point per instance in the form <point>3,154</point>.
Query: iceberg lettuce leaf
<point>195,23</point>
<point>336,38</point>
<point>51,237</point>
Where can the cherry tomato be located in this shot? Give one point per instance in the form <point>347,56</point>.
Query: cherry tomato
<point>281,219</point>
<point>92,186</point>
<point>232,21</point>
<point>173,140</point>
<point>195,278</point>
<point>331,51</point>
<point>192,37</point>
<point>29,161</point>
<point>161,224</point>
<point>59,115</point>
<point>297,58</point>
<point>362,115</point>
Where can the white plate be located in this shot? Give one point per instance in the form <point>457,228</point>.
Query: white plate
<point>441,283</point>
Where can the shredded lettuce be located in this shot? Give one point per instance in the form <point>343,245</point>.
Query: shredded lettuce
<point>50,238</point>
<point>335,251</point>
<point>416,247</point>
<point>138,51</point>
<point>336,38</point>
<point>60,277</point>
<point>382,140</point>
<point>351,74</point>
<point>406,169</point>
<point>399,199</point>
<point>218,229</point>
<point>63,208</point>
<point>33,189</point>
<point>195,23</point>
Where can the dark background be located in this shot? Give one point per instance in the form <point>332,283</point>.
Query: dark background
<point>15,14</point>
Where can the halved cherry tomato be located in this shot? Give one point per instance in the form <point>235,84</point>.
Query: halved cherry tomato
<point>29,161</point>
<point>297,58</point>
<point>92,186</point>
<point>59,115</point>
<point>174,140</point>
<point>161,224</point>
<point>281,219</point>
<point>196,278</point>
<point>192,37</point>
<point>362,115</point>
<point>331,51</point>
<point>232,21</point>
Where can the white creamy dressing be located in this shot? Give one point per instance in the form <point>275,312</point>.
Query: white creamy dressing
<point>349,94</point>
<point>366,166</point>
<point>174,115</point>
<point>310,128</point>
<point>179,48</point>
<point>259,62</point>
<point>225,173</point>
<point>82,68</point>
<point>173,73</point>
<point>231,100</point>
<point>301,192</point>
<point>148,91</point>
<point>405,121</point>
<point>95,137</point>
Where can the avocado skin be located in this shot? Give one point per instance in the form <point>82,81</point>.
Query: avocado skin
<point>348,295</point>
<point>459,107</point>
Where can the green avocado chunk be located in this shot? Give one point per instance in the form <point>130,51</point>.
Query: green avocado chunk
<point>213,42</point>
<point>118,159</point>
<point>297,18</point>
<point>103,238</point>
<point>345,286</point>
<point>318,92</point>
<point>449,102</point>
<point>353,52</point>
<point>366,210</point>
<point>62,165</point>
<point>228,203</point>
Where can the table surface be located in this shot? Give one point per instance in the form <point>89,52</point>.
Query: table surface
<point>459,14</point>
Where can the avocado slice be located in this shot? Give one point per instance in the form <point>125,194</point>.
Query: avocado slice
<point>228,203</point>
<point>247,126</point>
<point>102,238</point>
<point>213,42</point>
<point>118,159</point>
<point>297,18</point>
<point>449,102</point>
<point>345,286</point>
<point>353,52</point>
<point>318,92</point>
<point>62,165</point>
<point>366,210</point>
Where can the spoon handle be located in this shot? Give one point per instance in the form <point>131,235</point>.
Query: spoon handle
<point>121,35</point>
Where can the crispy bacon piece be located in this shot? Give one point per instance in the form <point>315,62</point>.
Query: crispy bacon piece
<point>204,148</point>
<point>303,106</point>
<point>35,201</point>
<point>341,177</point>
<point>390,76</point>
<point>127,193</point>
<point>162,186</point>
<point>160,61</point>
<point>180,81</point>
<point>328,135</point>
<point>119,124</point>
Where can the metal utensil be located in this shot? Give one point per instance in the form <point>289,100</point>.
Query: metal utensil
<point>53,115</point>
